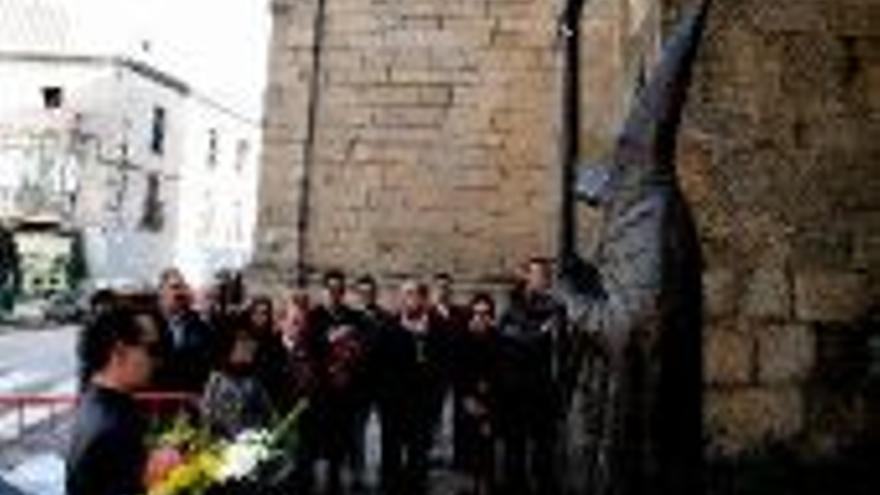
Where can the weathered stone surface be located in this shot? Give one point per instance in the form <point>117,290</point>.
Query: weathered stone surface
<point>786,354</point>
<point>829,296</point>
<point>721,292</point>
<point>743,418</point>
<point>767,294</point>
<point>728,356</point>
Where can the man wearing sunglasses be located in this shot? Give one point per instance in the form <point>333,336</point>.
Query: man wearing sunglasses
<point>107,454</point>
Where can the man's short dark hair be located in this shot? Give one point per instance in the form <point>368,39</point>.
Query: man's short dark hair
<point>420,288</point>
<point>102,298</point>
<point>260,300</point>
<point>119,325</point>
<point>169,273</point>
<point>443,277</point>
<point>331,275</point>
<point>485,298</point>
<point>232,327</point>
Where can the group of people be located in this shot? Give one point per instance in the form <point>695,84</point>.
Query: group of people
<point>348,356</point>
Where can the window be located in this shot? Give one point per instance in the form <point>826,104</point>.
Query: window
<point>53,97</point>
<point>157,135</point>
<point>241,154</point>
<point>152,217</point>
<point>213,143</point>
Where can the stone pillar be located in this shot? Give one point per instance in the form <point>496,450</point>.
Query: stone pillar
<point>285,134</point>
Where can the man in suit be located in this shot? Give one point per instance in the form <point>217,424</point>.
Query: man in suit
<point>533,343</point>
<point>415,353</point>
<point>189,341</point>
<point>453,320</point>
<point>335,342</point>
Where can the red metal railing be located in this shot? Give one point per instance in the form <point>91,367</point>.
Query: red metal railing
<point>53,406</point>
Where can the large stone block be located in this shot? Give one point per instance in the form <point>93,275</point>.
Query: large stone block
<point>866,244</point>
<point>767,294</point>
<point>829,296</point>
<point>720,292</point>
<point>827,245</point>
<point>728,356</point>
<point>853,17</point>
<point>744,419</point>
<point>786,353</point>
<point>785,15</point>
<point>872,86</point>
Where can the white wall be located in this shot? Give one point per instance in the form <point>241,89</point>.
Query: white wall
<point>218,214</point>
<point>209,211</point>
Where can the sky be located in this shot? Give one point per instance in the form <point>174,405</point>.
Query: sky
<point>218,46</point>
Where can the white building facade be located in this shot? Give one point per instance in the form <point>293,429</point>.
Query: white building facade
<point>151,172</point>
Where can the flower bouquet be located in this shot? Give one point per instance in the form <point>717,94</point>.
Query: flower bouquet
<point>187,461</point>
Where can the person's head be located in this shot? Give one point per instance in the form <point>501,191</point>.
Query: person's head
<point>482,310</point>
<point>262,314</point>
<point>537,275</point>
<point>334,287</point>
<point>102,301</point>
<point>414,297</point>
<point>367,291</point>
<point>443,288</point>
<point>121,347</point>
<point>295,316</point>
<point>174,293</point>
<point>206,300</point>
<point>238,344</point>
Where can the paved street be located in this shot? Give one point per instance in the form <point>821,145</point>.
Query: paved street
<point>37,361</point>
<point>34,361</point>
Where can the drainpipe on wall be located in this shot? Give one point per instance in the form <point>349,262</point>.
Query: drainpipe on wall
<point>304,205</point>
<point>569,144</point>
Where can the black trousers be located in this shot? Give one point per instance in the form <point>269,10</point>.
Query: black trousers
<point>529,442</point>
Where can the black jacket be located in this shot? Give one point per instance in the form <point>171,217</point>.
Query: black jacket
<point>190,347</point>
<point>107,454</point>
<point>533,353</point>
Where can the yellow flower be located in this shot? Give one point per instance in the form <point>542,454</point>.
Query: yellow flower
<point>191,477</point>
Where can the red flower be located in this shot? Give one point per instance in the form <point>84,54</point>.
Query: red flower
<point>160,463</point>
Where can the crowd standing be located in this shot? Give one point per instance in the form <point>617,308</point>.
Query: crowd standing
<point>248,361</point>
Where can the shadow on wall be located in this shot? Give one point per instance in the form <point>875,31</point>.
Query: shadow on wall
<point>839,451</point>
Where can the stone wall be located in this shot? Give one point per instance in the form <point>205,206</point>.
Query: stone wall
<point>435,148</point>
<point>434,139</point>
<point>781,160</point>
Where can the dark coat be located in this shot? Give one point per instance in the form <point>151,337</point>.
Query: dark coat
<point>271,369</point>
<point>107,454</point>
<point>337,354</point>
<point>478,368</point>
<point>189,354</point>
<point>378,322</point>
<point>334,345</point>
<point>533,352</point>
<point>452,326</point>
<point>410,375</point>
